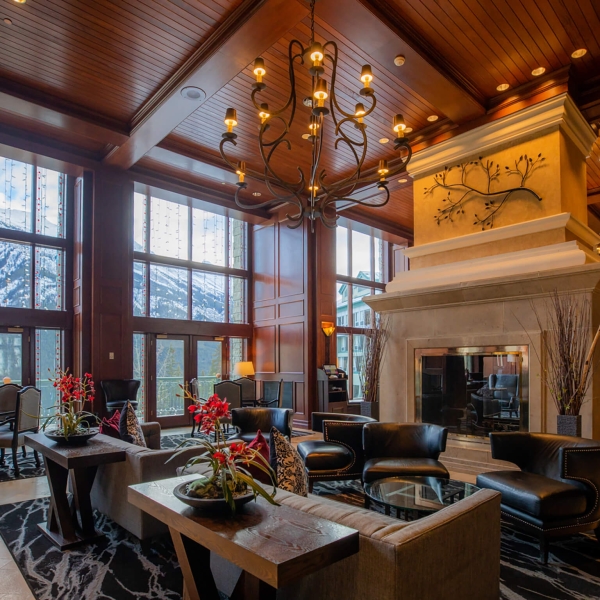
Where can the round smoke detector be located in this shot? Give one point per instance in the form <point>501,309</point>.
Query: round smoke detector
<point>193,93</point>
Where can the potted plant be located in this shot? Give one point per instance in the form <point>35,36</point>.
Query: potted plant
<point>228,483</point>
<point>569,354</point>
<point>71,422</point>
<point>370,366</point>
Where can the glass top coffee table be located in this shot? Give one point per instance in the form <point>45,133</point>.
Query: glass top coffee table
<point>416,497</point>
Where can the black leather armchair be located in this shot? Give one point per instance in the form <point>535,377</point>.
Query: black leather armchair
<point>339,456</point>
<point>403,449</point>
<point>250,420</point>
<point>118,392</point>
<point>556,492</point>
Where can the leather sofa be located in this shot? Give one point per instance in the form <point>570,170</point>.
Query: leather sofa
<point>141,465</point>
<point>556,492</point>
<point>339,456</point>
<point>403,449</point>
<point>250,420</point>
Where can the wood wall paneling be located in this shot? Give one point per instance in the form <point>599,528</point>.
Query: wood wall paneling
<point>291,348</point>
<point>265,349</point>
<point>264,263</point>
<point>291,265</point>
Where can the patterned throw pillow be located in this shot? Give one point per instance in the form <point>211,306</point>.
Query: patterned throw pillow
<point>110,426</point>
<point>130,428</point>
<point>288,465</point>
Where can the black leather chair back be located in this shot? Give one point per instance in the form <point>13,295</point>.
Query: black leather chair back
<point>250,420</point>
<point>403,440</point>
<point>120,390</point>
<point>318,418</point>
<point>230,391</point>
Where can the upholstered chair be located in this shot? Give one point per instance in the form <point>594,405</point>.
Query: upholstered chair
<point>8,401</point>
<point>250,420</point>
<point>409,449</point>
<point>556,492</point>
<point>248,391</point>
<point>27,419</point>
<point>339,455</point>
<point>117,392</point>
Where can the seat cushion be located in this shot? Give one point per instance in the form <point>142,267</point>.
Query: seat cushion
<point>324,456</point>
<point>379,468</point>
<point>536,495</point>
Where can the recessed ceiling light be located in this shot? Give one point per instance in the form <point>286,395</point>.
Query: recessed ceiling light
<point>256,194</point>
<point>223,183</point>
<point>193,93</point>
<point>538,71</point>
<point>503,87</point>
<point>579,53</point>
<point>402,180</point>
<point>432,118</point>
<point>7,21</point>
<point>384,140</point>
<point>408,130</point>
<point>20,1</point>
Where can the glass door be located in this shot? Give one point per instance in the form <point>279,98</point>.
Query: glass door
<point>171,362</point>
<point>209,364</point>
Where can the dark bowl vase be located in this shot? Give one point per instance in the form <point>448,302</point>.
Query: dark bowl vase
<point>210,504</point>
<point>79,439</point>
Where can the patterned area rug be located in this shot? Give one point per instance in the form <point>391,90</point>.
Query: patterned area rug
<point>572,572</point>
<point>172,441</point>
<point>26,465</point>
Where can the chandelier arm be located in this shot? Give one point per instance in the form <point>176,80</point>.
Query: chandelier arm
<point>298,219</point>
<point>292,76</point>
<point>353,201</point>
<point>317,152</point>
<point>267,163</point>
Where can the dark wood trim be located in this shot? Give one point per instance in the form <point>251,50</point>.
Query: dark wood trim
<point>188,264</point>
<point>360,282</point>
<point>29,317</point>
<point>34,238</point>
<point>186,327</point>
<point>396,229</point>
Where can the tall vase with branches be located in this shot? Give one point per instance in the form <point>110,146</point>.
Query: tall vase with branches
<point>569,356</point>
<point>374,351</point>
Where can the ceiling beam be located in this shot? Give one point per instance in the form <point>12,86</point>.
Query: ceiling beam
<point>593,196</point>
<point>380,33</point>
<point>250,30</point>
<point>42,113</point>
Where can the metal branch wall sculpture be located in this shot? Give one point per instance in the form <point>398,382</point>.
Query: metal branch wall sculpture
<point>460,192</point>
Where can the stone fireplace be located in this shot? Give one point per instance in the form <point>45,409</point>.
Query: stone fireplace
<point>472,294</point>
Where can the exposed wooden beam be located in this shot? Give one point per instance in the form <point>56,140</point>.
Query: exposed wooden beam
<point>249,31</point>
<point>593,196</point>
<point>382,35</point>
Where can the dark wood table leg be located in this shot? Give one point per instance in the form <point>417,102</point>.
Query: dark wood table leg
<point>82,481</point>
<point>250,587</point>
<point>194,560</point>
<point>60,527</point>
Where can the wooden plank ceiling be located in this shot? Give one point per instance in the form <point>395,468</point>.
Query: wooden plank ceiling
<point>93,75</point>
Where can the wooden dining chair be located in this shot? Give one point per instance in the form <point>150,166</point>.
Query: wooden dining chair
<point>272,395</point>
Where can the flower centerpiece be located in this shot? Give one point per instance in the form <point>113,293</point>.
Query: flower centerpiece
<point>227,481</point>
<point>71,422</point>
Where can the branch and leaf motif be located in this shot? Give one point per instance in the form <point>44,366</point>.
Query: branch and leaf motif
<point>460,191</point>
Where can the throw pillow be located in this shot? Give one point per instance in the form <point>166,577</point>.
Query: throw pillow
<point>287,464</point>
<point>130,428</point>
<point>260,443</point>
<point>110,426</point>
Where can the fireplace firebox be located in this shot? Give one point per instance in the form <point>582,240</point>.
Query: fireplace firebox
<point>473,391</point>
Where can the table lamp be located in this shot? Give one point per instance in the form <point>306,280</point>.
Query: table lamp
<point>244,369</point>
<point>6,380</point>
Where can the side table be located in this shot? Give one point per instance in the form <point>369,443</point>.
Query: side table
<point>71,523</point>
<point>273,545</point>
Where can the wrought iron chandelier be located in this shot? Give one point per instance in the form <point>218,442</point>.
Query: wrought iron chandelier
<point>313,196</point>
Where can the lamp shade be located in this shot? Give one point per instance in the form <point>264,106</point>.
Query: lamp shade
<point>243,369</point>
<point>6,380</point>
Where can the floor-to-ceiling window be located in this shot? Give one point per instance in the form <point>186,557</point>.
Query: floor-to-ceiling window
<point>190,279</point>
<point>363,268</point>
<point>34,249</point>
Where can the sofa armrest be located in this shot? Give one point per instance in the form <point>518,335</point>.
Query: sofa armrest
<point>151,466</point>
<point>151,433</point>
<point>583,464</point>
<point>459,544</point>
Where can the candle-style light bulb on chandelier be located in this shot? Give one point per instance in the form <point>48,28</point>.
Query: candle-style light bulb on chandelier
<point>313,196</point>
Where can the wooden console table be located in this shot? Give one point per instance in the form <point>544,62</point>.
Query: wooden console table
<point>273,545</point>
<point>64,528</point>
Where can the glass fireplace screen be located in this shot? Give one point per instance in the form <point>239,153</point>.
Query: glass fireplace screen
<point>473,391</point>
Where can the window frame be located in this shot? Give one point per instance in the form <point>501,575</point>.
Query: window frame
<point>351,282</point>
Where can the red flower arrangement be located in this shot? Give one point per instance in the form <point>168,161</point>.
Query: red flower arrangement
<point>229,463</point>
<point>74,392</point>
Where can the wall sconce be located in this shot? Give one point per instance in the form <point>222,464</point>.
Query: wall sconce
<point>327,328</point>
